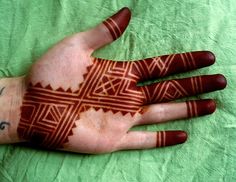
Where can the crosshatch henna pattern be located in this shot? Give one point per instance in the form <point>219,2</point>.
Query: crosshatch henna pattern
<point>48,115</point>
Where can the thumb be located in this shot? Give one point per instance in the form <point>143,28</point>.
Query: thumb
<point>107,31</point>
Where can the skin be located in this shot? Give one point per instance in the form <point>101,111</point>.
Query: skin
<point>88,105</point>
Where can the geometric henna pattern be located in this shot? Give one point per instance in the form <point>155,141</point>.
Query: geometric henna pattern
<point>48,116</point>
<point>173,89</point>
<point>161,66</point>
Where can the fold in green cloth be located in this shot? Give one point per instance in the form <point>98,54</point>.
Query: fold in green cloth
<point>29,27</point>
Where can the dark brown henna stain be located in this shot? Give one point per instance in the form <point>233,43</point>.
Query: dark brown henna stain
<point>48,116</point>
<point>174,89</point>
<point>161,66</point>
<point>117,23</point>
<point>169,138</point>
<point>200,107</point>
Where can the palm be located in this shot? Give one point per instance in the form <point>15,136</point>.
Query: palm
<point>79,103</point>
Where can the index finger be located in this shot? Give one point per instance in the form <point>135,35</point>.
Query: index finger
<point>157,67</point>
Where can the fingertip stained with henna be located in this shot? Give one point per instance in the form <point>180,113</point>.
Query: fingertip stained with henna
<point>117,23</point>
<point>169,138</point>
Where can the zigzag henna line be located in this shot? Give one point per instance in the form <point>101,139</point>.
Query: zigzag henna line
<point>107,85</point>
<point>192,60</point>
<point>156,67</point>
<point>161,66</point>
<point>48,116</point>
<point>174,89</point>
<point>188,61</point>
<point>164,91</point>
<point>166,66</point>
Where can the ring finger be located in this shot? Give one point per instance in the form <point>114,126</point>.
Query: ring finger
<point>163,112</point>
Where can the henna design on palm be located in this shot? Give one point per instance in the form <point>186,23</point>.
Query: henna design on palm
<point>48,114</point>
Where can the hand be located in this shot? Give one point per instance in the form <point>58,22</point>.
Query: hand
<point>79,103</point>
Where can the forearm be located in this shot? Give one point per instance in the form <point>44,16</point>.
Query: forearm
<point>11,96</point>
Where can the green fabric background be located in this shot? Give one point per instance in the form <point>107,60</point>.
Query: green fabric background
<point>29,27</point>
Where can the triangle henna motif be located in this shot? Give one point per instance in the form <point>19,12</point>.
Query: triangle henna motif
<point>99,91</point>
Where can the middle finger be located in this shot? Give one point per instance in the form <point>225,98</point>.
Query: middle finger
<point>174,89</point>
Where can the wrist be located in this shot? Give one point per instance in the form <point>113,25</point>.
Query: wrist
<point>11,96</point>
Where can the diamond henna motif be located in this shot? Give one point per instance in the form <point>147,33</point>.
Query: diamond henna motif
<point>48,116</point>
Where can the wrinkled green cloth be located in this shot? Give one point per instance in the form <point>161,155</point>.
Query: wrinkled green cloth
<point>29,27</point>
